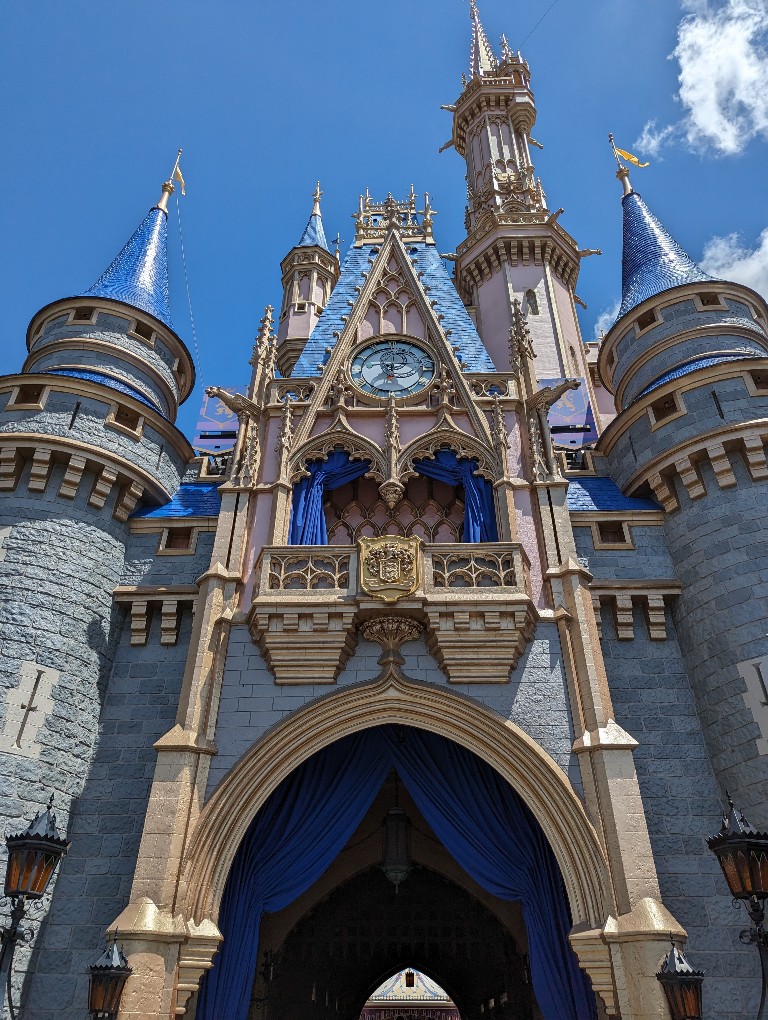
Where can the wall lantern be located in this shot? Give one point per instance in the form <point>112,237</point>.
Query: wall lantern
<point>33,856</point>
<point>682,985</point>
<point>743,855</point>
<point>396,861</point>
<point>108,977</point>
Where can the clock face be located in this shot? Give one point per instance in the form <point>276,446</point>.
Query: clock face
<point>395,367</point>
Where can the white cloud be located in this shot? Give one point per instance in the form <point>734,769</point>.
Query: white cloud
<point>606,319</point>
<point>729,259</point>
<point>722,50</point>
<point>650,141</point>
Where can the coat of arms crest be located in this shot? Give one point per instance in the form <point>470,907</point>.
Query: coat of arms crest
<point>389,566</point>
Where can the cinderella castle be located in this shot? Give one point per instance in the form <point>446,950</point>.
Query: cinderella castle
<point>440,648</point>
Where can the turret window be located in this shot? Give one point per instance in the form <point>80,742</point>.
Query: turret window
<point>178,541</point>
<point>612,535</point>
<point>759,379</point>
<point>141,329</point>
<point>646,320</point>
<point>83,314</point>
<point>710,300</point>
<point>125,419</point>
<point>532,302</point>
<point>27,397</point>
<point>665,408</point>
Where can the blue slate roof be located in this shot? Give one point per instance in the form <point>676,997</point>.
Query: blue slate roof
<point>139,274</point>
<point>691,366</point>
<point>191,499</point>
<point>107,380</point>
<point>590,494</point>
<point>314,234</point>
<point>653,261</point>
<point>464,336</point>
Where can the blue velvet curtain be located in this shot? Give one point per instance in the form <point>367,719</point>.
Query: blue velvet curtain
<point>481,821</point>
<point>479,511</point>
<point>307,513</point>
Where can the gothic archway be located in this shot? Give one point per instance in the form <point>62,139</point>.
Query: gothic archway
<point>501,744</point>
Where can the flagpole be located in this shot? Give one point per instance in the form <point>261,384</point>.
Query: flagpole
<point>176,165</point>
<point>622,173</point>
<point>616,151</point>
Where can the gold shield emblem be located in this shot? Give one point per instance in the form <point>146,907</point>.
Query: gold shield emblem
<point>389,566</point>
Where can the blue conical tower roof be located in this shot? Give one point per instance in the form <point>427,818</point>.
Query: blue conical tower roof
<point>139,274</point>
<point>314,235</point>
<point>653,261</point>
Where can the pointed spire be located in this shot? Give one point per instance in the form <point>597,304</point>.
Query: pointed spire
<point>139,274</point>
<point>481,57</point>
<point>314,234</point>
<point>653,261</point>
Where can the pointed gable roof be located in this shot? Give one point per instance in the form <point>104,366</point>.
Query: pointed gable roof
<point>357,266</point>
<point>652,261</point>
<point>139,275</point>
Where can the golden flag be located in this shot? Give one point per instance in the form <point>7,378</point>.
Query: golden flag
<point>178,177</point>
<point>626,155</point>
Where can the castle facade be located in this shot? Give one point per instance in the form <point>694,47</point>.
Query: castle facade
<point>445,661</point>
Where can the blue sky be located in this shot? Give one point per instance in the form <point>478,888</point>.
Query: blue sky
<point>267,98</point>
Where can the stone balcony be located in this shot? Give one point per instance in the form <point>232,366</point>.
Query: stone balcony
<point>473,601</point>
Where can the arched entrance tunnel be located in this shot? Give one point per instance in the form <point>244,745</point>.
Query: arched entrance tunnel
<point>322,953</point>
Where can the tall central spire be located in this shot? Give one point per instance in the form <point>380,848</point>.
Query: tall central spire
<point>481,57</point>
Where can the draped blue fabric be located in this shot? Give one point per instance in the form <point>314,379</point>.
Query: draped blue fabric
<point>479,511</point>
<point>307,514</point>
<point>476,815</point>
<point>291,842</point>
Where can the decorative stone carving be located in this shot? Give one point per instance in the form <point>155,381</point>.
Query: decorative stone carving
<point>389,567</point>
<point>391,631</point>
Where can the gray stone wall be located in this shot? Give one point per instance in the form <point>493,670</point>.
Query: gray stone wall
<point>720,547</point>
<point>152,453</point>
<point>144,566</point>
<point>654,702</point>
<point>536,697</point>
<point>54,346</point>
<point>62,560</point>
<point>105,827</point>
<point>702,416</point>
<point>649,559</point>
<point>740,334</point>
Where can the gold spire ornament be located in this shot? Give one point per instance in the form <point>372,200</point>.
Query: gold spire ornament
<point>168,188</point>
<point>623,172</point>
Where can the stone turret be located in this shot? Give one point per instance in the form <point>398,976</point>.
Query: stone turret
<point>687,362</point>
<point>86,437</point>
<point>310,273</point>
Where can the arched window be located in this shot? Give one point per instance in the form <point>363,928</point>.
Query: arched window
<point>532,302</point>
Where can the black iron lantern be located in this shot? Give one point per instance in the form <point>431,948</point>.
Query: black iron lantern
<point>33,856</point>
<point>108,977</point>
<point>682,985</point>
<point>743,855</point>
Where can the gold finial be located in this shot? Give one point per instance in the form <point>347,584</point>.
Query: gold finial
<point>316,197</point>
<point>622,173</point>
<point>168,187</point>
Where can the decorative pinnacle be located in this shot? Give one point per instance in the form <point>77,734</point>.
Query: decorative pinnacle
<point>168,188</point>
<point>318,194</point>
<point>482,60</point>
<point>622,173</point>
